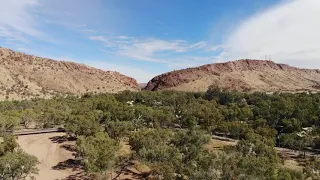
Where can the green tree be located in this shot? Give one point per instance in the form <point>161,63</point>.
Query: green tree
<point>288,140</point>
<point>17,165</point>
<point>153,148</point>
<point>9,144</point>
<point>119,129</point>
<point>28,116</point>
<point>291,125</point>
<point>97,152</point>
<point>8,123</point>
<point>84,124</point>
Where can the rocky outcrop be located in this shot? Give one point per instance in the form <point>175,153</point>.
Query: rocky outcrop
<point>243,75</point>
<point>25,76</point>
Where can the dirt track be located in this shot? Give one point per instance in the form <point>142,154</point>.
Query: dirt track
<point>50,150</point>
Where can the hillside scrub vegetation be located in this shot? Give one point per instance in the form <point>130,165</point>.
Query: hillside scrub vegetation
<point>168,130</point>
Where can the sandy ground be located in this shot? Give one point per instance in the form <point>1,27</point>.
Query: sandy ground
<point>55,154</point>
<point>52,154</point>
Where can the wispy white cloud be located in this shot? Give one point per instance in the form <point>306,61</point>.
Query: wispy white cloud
<point>99,38</point>
<point>124,37</point>
<point>16,21</point>
<point>289,32</point>
<point>26,20</point>
<point>153,49</point>
<point>89,31</point>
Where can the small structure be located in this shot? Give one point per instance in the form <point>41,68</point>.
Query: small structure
<point>305,131</point>
<point>130,103</point>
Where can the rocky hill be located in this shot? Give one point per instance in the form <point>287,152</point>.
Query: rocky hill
<point>25,76</point>
<point>241,75</point>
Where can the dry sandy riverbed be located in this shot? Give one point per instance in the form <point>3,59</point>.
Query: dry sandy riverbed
<point>54,153</point>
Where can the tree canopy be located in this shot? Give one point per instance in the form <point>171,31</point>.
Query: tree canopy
<point>167,131</point>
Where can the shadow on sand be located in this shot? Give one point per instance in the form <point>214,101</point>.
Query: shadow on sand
<point>78,176</point>
<point>70,164</point>
<point>61,139</point>
<point>75,165</point>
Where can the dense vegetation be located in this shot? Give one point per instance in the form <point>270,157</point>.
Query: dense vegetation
<point>14,163</point>
<point>167,131</point>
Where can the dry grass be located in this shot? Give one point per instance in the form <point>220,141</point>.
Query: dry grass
<point>125,149</point>
<point>293,165</point>
<point>141,168</point>
<point>216,144</point>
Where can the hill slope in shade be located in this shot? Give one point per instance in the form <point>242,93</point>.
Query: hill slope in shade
<point>241,75</point>
<point>24,76</point>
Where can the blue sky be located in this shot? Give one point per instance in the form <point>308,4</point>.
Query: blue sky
<point>143,38</point>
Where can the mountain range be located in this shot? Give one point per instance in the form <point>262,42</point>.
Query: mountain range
<point>25,76</point>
